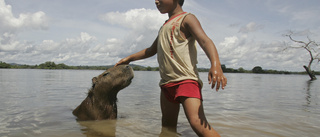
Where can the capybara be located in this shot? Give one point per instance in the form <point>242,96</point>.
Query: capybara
<point>101,101</point>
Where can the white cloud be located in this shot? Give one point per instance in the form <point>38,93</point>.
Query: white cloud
<point>82,35</point>
<point>10,23</point>
<point>141,25</point>
<point>85,49</point>
<point>244,51</point>
<point>136,19</point>
<point>10,27</point>
<point>7,42</point>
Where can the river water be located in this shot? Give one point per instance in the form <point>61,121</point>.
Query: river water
<point>39,103</point>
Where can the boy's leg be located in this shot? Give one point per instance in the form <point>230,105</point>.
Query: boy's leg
<point>170,112</point>
<point>193,109</point>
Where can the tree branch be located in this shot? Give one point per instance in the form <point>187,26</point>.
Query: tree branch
<point>297,41</point>
<point>310,46</point>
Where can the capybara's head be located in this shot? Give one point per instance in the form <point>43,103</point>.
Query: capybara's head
<point>102,97</point>
<point>111,81</point>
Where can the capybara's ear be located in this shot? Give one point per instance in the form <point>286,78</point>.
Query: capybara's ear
<point>94,80</point>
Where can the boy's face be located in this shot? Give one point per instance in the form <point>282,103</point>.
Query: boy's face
<point>166,6</point>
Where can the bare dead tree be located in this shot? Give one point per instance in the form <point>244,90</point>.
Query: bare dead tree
<point>311,47</point>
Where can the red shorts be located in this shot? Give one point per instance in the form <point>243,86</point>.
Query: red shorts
<point>186,88</point>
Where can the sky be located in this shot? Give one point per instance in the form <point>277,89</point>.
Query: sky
<point>247,33</point>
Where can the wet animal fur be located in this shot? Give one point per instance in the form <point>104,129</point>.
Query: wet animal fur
<point>101,101</point>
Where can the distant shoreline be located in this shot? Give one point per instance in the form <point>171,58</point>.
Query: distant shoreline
<point>52,65</point>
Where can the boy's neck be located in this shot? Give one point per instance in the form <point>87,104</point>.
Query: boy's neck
<point>175,12</point>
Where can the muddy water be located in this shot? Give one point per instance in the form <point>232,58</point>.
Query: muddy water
<point>40,103</point>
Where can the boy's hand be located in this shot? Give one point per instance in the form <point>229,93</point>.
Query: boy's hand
<point>216,78</point>
<point>125,60</point>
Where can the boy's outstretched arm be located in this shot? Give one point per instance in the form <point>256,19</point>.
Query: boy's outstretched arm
<point>145,53</point>
<point>215,76</point>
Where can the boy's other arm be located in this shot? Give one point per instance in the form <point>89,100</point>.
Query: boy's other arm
<point>145,53</point>
<point>215,76</point>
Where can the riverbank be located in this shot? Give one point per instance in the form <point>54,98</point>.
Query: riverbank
<point>53,65</point>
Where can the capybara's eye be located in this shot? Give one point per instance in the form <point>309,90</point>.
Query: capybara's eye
<point>105,74</point>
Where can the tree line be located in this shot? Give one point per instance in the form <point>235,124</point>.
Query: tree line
<point>50,65</point>
<point>53,65</point>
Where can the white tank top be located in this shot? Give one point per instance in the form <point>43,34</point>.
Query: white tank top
<point>177,56</point>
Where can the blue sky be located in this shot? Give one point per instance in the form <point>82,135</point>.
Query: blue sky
<point>247,33</point>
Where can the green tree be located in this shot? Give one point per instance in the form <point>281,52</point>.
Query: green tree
<point>241,70</point>
<point>257,69</point>
<point>4,65</point>
<point>223,67</point>
<point>149,68</point>
<point>48,65</point>
<point>62,66</point>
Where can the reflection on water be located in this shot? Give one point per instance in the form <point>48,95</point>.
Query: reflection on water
<point>40,103</point>
<point>308,94</point>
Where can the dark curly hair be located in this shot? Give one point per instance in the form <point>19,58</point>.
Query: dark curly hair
<point>181,2</point>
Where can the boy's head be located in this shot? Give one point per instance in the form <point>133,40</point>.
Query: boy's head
<point>165,6</point>
<point>181,2</point>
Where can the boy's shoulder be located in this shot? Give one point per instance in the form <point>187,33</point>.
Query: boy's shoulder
<point>190,18</point>
<point>190,15</point>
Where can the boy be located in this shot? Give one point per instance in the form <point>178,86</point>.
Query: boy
<point>177,57</point>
